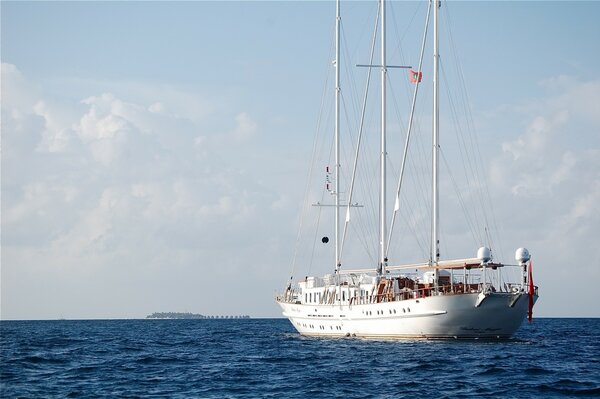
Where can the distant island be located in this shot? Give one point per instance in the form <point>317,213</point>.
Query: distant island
<point>179,315</point>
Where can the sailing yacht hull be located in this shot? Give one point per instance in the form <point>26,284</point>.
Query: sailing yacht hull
<point>495,315</point>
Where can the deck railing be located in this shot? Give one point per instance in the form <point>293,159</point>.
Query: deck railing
<point>330,298</point>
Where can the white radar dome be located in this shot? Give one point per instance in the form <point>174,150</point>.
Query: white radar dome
<point>484,254</point>
<point>522,255</point>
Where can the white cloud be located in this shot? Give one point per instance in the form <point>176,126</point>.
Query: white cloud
<point>552,149</point>
<point>538,136</point>
<point>18,94</point>
<point>551,172</point>
<point>107,188</point>
<point>56,137</point>
<point>245,127</point>
<point>130,195</point>
<point>157,108</point>
<point>570,93</point>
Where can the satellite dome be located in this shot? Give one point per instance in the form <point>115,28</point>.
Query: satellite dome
<point>484,254</point>
<point>522,255</point>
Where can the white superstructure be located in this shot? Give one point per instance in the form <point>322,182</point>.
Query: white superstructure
<point>463,298</point>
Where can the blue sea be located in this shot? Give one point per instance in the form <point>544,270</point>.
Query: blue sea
<point>266,358</point>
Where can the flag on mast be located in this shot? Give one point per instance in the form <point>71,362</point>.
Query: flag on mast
<point>415,76</point>
<point>531,292</point>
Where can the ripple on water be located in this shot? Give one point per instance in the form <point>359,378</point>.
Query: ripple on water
<point>571,387</point>
<point>266,358</point>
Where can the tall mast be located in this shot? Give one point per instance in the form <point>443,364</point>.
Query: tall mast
<point>435,242</point>
<point>337,135</point>
<point>382,202</point>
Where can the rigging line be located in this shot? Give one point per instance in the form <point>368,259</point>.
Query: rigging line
<point>362,226</point>
<point>409,204</point>
<point>484,170</point>
<point>421,171</point>
<point>459,196</point>
<point>410,122</point>
<point>364,240</point>
<point>472,153</point>
<point>479,156</point>
<point>314,241</point>
<point>411,221</point>
<point>323,191</point>
<point>360,133</point>
<point>421,241</point>
<point>411,210</point>
<point>489,238</point>
<point>347,119</point>
<point>350,73</point>
<point>396,107</point>
<point>461,141</point>
<point>353,102</point>
<point>398,49</point>
<point>364,28</point>
<point>365,182</point>
<point>311,168</point>
<point>416,162</point>
<point>423,158</point>
<point>368,185</point>
<point>425,200</point>
<point>462,146</point>
<point>319,213</point>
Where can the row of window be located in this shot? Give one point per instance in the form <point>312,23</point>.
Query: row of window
<point>339,328</point>
<point>380,312</point>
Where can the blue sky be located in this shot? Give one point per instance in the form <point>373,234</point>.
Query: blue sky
<point>151,150</point>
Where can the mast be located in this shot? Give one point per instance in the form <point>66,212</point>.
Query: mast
<point>337,135</point>
<point>435,242</point>
<point>382,202</point>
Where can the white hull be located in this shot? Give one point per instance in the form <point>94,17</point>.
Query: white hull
<point>448,316</point>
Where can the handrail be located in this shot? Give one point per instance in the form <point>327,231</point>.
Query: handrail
<point>443,264</point>
<point>458,288</point>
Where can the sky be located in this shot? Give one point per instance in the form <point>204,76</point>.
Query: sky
<point>154,154</point>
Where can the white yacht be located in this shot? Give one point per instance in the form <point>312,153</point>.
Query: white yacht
<point>437,298</point>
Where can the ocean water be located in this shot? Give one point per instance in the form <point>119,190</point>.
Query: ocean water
<point>265,358</point>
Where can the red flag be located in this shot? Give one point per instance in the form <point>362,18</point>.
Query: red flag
<point>531,292</point>
<point>415,76</point>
